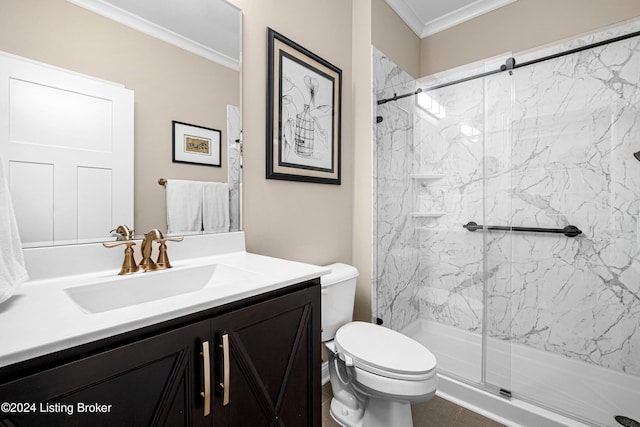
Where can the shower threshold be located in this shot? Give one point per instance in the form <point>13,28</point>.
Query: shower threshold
<point>539,381</point>
<point>512,413</point>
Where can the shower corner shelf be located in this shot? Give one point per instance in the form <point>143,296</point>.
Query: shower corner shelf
<point>426,176</point>
<point>427,214</point>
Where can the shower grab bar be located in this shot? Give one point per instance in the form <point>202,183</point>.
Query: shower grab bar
<point>569,230</point>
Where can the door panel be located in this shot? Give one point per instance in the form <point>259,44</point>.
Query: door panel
<point>274,363</point>
<point>152,382</point>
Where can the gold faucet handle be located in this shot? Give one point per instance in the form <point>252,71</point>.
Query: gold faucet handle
<point>129,262</point>
<point>163,258</point>
<point>123,232</point>
<point>119,243</point>
<point>173,239</point>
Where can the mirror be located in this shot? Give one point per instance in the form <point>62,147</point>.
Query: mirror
<point>181,60</point>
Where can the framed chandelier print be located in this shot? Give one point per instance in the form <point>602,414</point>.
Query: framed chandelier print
<point>303,114</point>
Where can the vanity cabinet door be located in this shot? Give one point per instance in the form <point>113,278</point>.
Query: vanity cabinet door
<point>152,382</point>
<point>273,367</point>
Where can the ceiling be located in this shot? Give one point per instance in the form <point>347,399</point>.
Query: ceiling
<point>427,17</point>
<point>210,28</point>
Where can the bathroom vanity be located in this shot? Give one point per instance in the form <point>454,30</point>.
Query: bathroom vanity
<point>239,353</point>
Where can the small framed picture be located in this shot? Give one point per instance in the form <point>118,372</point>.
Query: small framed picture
<point>303,114</point>
<point>196,145</point>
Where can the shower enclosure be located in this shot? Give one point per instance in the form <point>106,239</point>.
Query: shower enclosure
<point>506,223</point>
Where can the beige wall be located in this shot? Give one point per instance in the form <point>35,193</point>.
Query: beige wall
<point>169,84</point>
<point>362,166</point>
<point>313,223</point>
<point>394,38</point>
<point>295,220</point>
<point>519,26</point>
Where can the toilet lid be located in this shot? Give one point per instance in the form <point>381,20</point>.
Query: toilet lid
<point>383,351</point>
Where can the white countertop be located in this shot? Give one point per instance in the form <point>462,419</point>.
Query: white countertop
<point>41,318</point>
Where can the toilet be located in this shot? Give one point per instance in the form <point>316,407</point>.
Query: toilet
<point>376,373</point>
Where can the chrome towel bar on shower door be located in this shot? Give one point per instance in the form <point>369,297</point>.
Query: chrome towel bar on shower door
<point>569,230</point>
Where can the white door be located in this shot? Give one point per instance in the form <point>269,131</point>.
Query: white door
<point>67,143</point>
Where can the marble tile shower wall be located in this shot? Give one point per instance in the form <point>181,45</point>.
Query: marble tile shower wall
<point>396,266</point>
<point>234,173</point>
<point>548,146</point>
<point>451,266</point>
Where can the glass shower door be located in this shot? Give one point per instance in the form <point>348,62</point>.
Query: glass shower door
<point>575,308</point>
<point>448,184</point>
<point>462,175</point>
<point>498,211</point>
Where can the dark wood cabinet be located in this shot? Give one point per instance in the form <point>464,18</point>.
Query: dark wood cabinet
<point>273,364</point>
<point>271,346</point>
<point>149,382</point>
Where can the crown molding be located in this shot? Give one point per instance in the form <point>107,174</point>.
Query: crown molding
<point>422,29</point>
<point>408,15</point>
<point>149,28</point>
<point>461,15</point>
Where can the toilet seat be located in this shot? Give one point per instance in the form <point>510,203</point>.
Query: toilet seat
<point>384,352</point>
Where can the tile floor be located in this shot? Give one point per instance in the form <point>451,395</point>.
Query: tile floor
<point>435,413</point>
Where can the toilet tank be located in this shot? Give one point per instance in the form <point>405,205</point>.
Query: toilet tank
<point>338,293</point>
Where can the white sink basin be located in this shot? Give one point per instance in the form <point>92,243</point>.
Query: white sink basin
<point>126,291</point>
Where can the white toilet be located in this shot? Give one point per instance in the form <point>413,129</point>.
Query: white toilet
<point>375,372</point>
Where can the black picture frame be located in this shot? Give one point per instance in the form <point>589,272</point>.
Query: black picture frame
<point>304,111</point>
<point>196,145</point>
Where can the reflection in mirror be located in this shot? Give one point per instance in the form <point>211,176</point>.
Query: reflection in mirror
<point>163,55</point>
<point>67,141</point>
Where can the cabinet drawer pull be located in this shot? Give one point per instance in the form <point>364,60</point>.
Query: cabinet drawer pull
<point>207,378</point>
<point>225,359</point>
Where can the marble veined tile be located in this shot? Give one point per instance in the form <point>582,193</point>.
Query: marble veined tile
<point>546,146</point>
<point>396,267</point>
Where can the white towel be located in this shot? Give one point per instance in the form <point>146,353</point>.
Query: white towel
<point>215,207</point>
<point>12,270</point>
<point>184,206</point>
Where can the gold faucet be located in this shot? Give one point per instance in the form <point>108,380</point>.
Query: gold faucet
<point>147,263</point>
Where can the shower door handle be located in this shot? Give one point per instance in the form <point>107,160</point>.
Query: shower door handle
<point>569,230</point>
